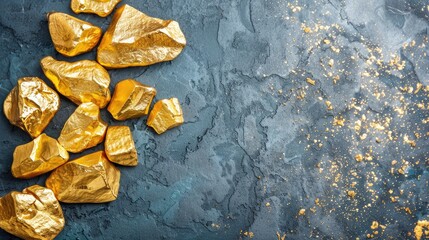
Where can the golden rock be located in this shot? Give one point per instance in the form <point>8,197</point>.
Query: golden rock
<point>119,146</point>
<point>37,157</point>
<point>72,36</point>
<point>31,105</point>
<point>34,213</point>
<point>135,39</point>
<point>100,7</point>
<point>166,114</point>
<point>131,99</point>
<point>81,81</point>
<point>84,129</point>
<point>89,179</point>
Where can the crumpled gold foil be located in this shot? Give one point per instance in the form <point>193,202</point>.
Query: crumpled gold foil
<point>31,105</point>
<point>84,129</point>
<point>72,36</point>
<point>166,114</point>
<point>33,214</point>
<point>37,157</point>
<point>89,179</point>
<point>81,81</point>
<point>131,99</point>
<point>119,146</point>
<point>100,7</point>
<point>135,39</point>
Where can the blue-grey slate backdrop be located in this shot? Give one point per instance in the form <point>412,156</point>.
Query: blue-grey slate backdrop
<point>259,142</point>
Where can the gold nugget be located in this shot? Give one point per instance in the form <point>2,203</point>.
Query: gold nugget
<point>135,39</point>
<point>31,105</point>
<point>89,179</point>
<point>84,129</point>
<point>72,36</point>
<point>166,114</point>
<point>37,157</point>
<point>131,99</point>
<point>119,146</point>
<point>33,214</point>
<point>100,7</point>
<point>81,81</point>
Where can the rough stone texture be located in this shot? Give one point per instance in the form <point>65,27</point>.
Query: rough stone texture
<point>249,137</point>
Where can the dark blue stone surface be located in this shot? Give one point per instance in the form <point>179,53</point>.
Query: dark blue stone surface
<point>259,142</point>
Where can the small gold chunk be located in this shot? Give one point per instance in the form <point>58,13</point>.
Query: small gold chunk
<point>72,36</point>
<point>37,157</point>
<point>34,213</point>
<point>84,129</point>
<point>31,105</point>
<point>422,227</point>
<point>100,7</point>
<point>81,81</point>
<point>88,179</point>
<point>131,99</point>
<point>166,114</point>
<point>119,146</point>
<point>136,39</point>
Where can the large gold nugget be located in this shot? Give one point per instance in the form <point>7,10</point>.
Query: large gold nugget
<point>33,214</point>
<point>166,114</point>
<point>100,7</point>
<point>135,39</point>
<point>81,81</point>
<point>37,157</point>
<point>72,36</point>
<point>89,179</point>
<point>31,105</point>
<point>119,146</point>
<point>131,99</point>
<point>84,129</point>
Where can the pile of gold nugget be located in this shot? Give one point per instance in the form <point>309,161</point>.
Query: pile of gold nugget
<point>132,39</point>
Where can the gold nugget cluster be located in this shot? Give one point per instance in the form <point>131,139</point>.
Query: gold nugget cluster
<point>132,39</point>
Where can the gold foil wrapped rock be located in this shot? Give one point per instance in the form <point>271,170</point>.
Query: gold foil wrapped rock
<point>89,179</point>
<point>100,7</point>
<point>131,99</point>
<point>72,36</point>
<point>37,157</point>
<point>31,105</point>
<point>166,114</point>
<point>84,129</point>
<point>81,81</point>
<point>119,146</point>
<point>135,39</point>
<point>34,213</point>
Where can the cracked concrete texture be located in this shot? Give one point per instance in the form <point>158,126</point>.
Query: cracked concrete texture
<point>260,142</point>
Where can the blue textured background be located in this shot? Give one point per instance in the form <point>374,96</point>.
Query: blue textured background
<point>254,150</point>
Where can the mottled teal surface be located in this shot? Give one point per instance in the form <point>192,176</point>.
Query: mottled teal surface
<point>258,143</point>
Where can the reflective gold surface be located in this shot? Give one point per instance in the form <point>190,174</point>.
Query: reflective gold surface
<point>135,39</point>
<point>421,228</point>
<point>31,105</point>
<point>72,36</point>
<point>84,129</point>
<point>37,157</point>
<point>33,214</point>
<point>166,114</point>
<point>89,179</point>
<point>100,7</point>
<point>81,81</point>
<point>119,146</point>
<point>131,99</point>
